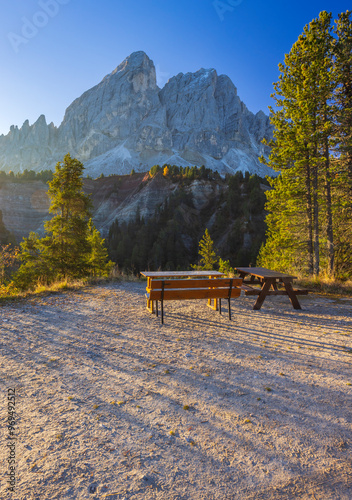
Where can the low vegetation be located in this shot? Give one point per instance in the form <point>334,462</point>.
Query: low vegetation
<point>327,286</point>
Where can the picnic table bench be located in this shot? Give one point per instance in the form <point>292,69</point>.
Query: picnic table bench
<point>192,285</point>
<point>271,282</point>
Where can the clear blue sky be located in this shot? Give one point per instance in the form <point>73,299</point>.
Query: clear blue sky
<point>54,50</point>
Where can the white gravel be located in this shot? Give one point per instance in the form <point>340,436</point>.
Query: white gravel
<point>111,404</point>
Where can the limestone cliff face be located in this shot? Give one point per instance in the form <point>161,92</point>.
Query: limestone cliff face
<point>31,146</point>
<point>25,206</point>
<point>123,111</point>
<point>127,122</point>
<point>210,125</point>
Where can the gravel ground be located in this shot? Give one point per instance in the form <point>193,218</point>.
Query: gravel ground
<point>111,404</point>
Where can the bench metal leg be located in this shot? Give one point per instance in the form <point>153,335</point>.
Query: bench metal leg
<point>162,301</point>
<point>229,298</point>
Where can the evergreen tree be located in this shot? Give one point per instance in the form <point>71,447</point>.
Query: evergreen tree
<point>343,68</point>
<point>34,266</point>
<point>98,256</point>
<point>343,146</point>
<point>208,255</point>
<point>8,259</point>
<point>72,247</point>
<point>154,170</point>
<point>301,223</point>
<point>67,244</point>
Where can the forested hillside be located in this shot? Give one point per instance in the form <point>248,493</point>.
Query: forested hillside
<point>233,214</point>
<point>153,219</point>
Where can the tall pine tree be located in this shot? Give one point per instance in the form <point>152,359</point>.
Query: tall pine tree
<point>67,245</point>
<point>302,223</point>
<point>342,160</point>
<point>71,247</point>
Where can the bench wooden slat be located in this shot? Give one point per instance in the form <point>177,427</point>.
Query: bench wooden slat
<point>248,290</point>
<point>194,283</point>
<point>197,293</point>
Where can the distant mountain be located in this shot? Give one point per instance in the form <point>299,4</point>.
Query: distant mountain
<point>127,121</point>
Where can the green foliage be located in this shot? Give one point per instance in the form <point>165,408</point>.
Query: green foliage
<point>184,174</point>
<point>8,262</point>
<point>343,168</point>
<point>72,247</point>
<point>187,174</point>
<point>310,201</point>
<point>26,176</point>
<point>98,257</point>
<point>155,243</point>
<point>35,267</point>
<point>208,255</point>
<point>154,170</point>
<point>224,267</point>
<point>67,246</point>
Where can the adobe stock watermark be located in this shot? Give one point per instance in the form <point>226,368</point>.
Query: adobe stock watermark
<point>226,6</point>
<point>40,19</point>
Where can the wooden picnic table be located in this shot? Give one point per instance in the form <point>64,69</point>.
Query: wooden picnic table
<point>179,274</point>
<point>269,281</point>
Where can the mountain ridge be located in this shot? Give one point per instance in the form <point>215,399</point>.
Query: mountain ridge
<point>127,122</point>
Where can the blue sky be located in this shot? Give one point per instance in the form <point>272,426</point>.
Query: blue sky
<point>54,50</point>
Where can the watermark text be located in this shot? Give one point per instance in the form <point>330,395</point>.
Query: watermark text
<point>11,439</point>
<point>48,9</point>
<point>222,7</point>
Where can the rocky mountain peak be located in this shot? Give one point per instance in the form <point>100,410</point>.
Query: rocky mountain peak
<point>138,68</point>
<point>127,122</point>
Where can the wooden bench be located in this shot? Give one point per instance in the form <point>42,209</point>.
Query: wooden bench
<point>192,288</point>
<point>250,290</point>
<point>271,283</point>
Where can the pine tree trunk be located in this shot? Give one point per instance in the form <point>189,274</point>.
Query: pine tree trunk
<point>316,267</point>
<point>329,228</point>
<point>309,213</point>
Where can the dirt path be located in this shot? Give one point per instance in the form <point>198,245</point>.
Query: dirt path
<point>110,404</point>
